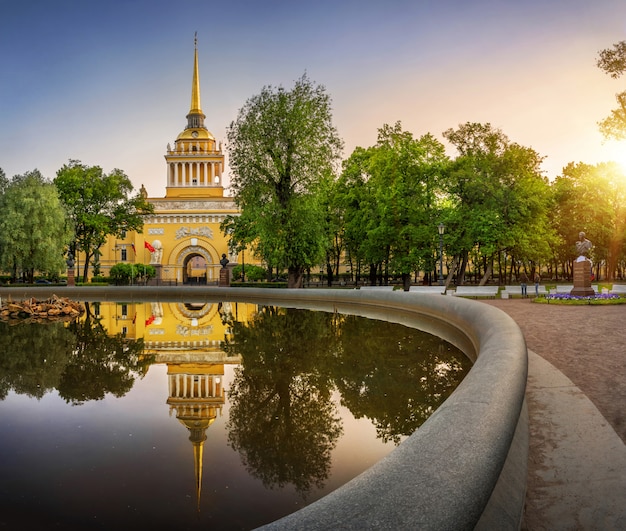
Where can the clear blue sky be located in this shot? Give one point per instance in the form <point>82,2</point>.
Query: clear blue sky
<point>108,82</point>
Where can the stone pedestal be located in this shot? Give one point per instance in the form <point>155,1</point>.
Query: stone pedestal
<point>70,277</point>
<point>224,277</point>
<point>158,271</point>
<point>582,279</point>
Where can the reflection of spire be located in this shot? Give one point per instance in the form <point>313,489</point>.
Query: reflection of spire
<point>196,396</point>
<point>197,437</point>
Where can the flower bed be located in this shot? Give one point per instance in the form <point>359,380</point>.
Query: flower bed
<point>566,298</point>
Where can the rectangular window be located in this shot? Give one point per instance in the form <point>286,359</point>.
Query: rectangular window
<point>124,310</point>
<point>124,256</point>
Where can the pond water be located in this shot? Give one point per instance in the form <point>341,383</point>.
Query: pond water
<point>200,416</point>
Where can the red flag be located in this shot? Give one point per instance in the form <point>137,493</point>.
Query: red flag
<point>149,247</point>
<point>150,320</point>
<point>133,246</point>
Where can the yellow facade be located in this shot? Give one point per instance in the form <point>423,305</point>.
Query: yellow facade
<point>184,229</point>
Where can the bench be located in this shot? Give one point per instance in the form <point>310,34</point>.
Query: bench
<point>476,291</point>
<point>432,290</point>
<point>618,289</point>
<point>517,290</point>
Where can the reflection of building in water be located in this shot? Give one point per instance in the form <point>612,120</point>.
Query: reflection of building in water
<point>196,398</point>
<point>187,337</point>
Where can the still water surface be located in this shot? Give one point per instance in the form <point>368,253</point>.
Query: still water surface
<point>203,416</point>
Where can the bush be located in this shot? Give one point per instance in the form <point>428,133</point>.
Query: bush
<point>123,273</point>
<point>253,273</point>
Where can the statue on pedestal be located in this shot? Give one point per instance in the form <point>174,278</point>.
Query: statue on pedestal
<point>583,246</point>
<point>582,268</point>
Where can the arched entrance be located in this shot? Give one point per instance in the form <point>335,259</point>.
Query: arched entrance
<point>195,269</point>
<point>196,264</point>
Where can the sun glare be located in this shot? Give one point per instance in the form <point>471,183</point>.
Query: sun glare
<point>615,152</point>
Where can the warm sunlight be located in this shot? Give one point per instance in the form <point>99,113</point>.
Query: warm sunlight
<point>614,151</point>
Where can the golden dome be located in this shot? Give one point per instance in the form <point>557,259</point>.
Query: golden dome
<point>196,133</point>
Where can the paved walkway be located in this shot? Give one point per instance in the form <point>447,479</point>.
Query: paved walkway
<point>576,398</point>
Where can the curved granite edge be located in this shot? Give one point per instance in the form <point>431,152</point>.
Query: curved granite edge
<point>464,468</point>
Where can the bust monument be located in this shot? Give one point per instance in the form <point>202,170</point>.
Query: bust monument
<point>583,246</point>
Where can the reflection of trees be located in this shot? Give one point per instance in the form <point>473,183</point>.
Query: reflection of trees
<point>32,357</point>
<point>100,363</point>
<point>79,359</point>
<point>394,375</point>
<point>282,419</point>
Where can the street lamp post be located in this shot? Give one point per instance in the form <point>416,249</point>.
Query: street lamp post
<point>441,228</point>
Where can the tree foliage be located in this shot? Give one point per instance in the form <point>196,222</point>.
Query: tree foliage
<point>613,62</point>
<point>591,198</point>
<point>388,196</point>
<point>33,231</point>
<point>126,273</point>
<point>281,146</point>
<point>499,199</point>
<point>99,205</point>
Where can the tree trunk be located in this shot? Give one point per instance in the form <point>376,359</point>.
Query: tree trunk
<point>487,275</point>
<point>295,276</point>
<point>451,271</point>
<point>372,275</point>
<point>406,281</point>
<point>329,272</point>
<point>460,278</point>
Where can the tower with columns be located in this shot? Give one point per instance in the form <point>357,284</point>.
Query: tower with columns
<point>182,237</point>
<point>195,163</point>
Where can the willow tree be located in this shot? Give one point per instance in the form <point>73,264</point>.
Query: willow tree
<point>33,229</point>
<point>282,147</point>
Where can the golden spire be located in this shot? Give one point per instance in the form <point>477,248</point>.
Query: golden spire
<point>195,85</point>
<point>195,118</point>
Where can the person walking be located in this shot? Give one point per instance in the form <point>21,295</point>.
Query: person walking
<point>537,281</point>
<point>523,278</point>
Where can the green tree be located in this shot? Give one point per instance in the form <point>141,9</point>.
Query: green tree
<point>4,182</point>
<point>499,200</point>
<point>33,229</point>
<point>613,62</point>
<point>406,173</point>
<point>281,147</point>
<point>99,205</point>
<point>591,198</point>
<point>355,203</point>
<point>388,196</point>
